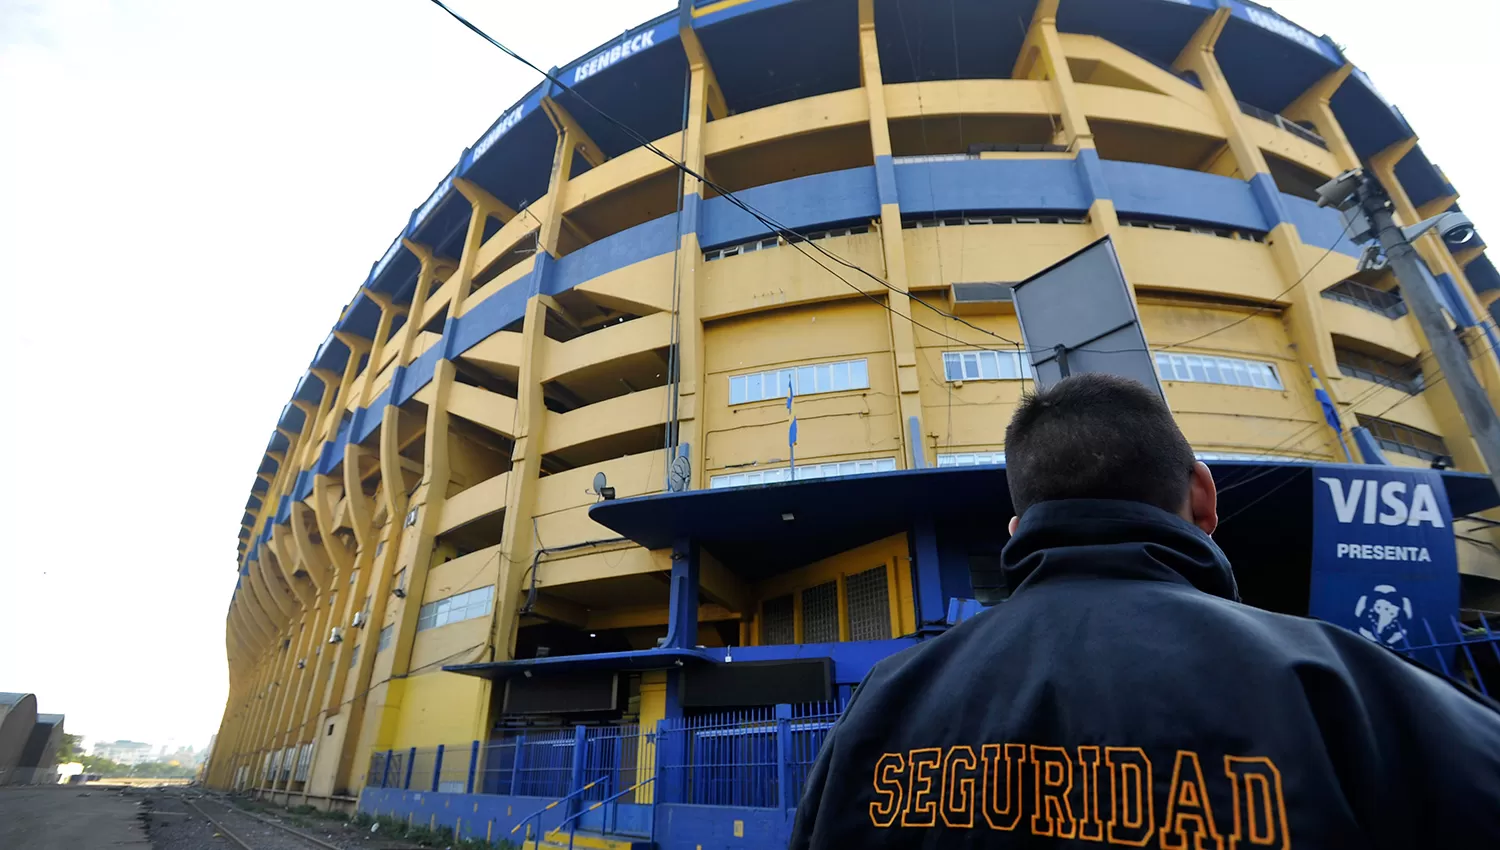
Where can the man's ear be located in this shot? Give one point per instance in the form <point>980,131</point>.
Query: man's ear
<point>1203,498</point>
<point>1014,521</point>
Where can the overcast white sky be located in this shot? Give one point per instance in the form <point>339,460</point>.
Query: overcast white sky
<point>190,192</point>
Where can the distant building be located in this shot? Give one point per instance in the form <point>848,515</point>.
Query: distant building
<point>28,741</point>
<point>17,717</point>
<point>124,752</point>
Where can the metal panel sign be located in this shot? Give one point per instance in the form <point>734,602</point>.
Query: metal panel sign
<point>1383,558</point>
<point>1077,316</point>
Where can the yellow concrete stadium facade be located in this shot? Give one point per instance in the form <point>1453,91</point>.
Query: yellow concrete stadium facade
<point>569,303</point>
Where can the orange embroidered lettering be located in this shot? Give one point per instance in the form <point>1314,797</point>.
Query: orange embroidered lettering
<point>888,789</point>
<point>959,766</point>
<point>1259,807</point>
<point>998,787</point>
<point>1131,810</point>
<point>1188,808</point>
<point>919,787</point>
<point>1052,772</point>
<point>1090,827</point>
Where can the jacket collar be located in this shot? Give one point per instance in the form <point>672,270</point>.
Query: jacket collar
<point>1075,538</point>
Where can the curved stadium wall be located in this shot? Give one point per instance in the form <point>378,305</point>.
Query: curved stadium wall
<point>567,303</point>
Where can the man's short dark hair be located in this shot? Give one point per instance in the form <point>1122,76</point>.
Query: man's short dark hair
<point>1096,436</point>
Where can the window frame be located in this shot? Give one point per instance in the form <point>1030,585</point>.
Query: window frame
<point>751,387</point>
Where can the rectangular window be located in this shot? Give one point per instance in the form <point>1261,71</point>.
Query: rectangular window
<point>820,613</point>
<point>805,472</point>
<point>1406,377</point>
<point>354,656</point>
<point>456,608</point>
<point>971,459</point>
<point>986,366</point>
<point>808,380</point>
<point>384,642</point>
<point>776,624</point>
<point>1405,439</point>
<point>867,595</point>
<point>1204,369</point>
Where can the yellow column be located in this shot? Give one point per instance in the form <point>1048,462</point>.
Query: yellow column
<point>1313,345</point>
<point>702,89</point>
<point>517,545</point>
<point>893,244</point>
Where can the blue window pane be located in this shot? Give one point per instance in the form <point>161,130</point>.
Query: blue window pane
<point>752,388</point>
<point>859,377</point>
<point>805,380</point>
<point>953,368</point>
<point>737,390</point>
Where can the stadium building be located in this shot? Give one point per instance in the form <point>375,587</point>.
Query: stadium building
<point>527,529</point>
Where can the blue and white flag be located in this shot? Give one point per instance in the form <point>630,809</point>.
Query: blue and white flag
<point>791,431</point>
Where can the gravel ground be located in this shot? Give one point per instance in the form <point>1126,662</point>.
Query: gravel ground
<point>172,825</point>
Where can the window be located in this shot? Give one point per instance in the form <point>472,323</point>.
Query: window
<point>1203,369</point>
<point>1405,439</point>
<point>304,761</point>
<point>456,608</point>
<point>1211,456</point>
<point>867,596</point>
<point>809,380</point>
<point>808,472</point>
<point>354,656</point>
<point>1406,377</point>
<point>1366,297</point>
<point>1191,227</point>
<point>400,579</point>
<point>961,221</point>
<point>820,613</point>
<point>985,366</point>
<point>776,621</point>
<point>384,642</point>
<point>774,241</point>
<point>971,459</point>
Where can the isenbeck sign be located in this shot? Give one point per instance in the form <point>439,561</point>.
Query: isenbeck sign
<point>627,46</point>
<point>1384,558</point>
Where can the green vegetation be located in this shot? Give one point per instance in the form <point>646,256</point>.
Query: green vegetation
<point>148,770</point>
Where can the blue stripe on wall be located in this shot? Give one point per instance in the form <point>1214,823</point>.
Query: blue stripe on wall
<point>628,247</point>
<point>1159,191</point>
<point>885,180</point>
<point>1268,198</point>
<point>817,199</point>
<point>1318,226</point>
<point>990,185</point>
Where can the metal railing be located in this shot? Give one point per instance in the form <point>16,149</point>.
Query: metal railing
<point>1362,295</point>
<point>1286,124</point>
<point>537,815</point>
<point>1463,658</point>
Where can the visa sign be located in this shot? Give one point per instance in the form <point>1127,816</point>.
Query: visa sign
<point>1384,558</point>
<point>1394,506</point>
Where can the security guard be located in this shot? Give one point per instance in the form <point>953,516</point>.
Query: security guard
<point>1123,695</point>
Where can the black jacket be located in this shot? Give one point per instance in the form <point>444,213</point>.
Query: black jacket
<point>1122,694</point>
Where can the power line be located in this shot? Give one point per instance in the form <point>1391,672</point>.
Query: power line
<point>796,238</point>
<point>1263,307</point>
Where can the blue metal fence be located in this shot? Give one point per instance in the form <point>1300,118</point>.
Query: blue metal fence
<point>1467,652</point>
<point>756,757</point>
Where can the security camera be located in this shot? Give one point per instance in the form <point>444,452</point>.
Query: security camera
<point>1454,227</point>
<point>1339,191</point>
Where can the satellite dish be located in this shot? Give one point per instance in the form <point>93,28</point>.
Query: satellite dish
<point>600,482</point>
<point>680,475</point>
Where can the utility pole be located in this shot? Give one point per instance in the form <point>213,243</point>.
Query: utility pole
<point>1420,291</point>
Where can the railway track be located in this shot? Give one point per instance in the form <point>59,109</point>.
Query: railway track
<point>249,830</point>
